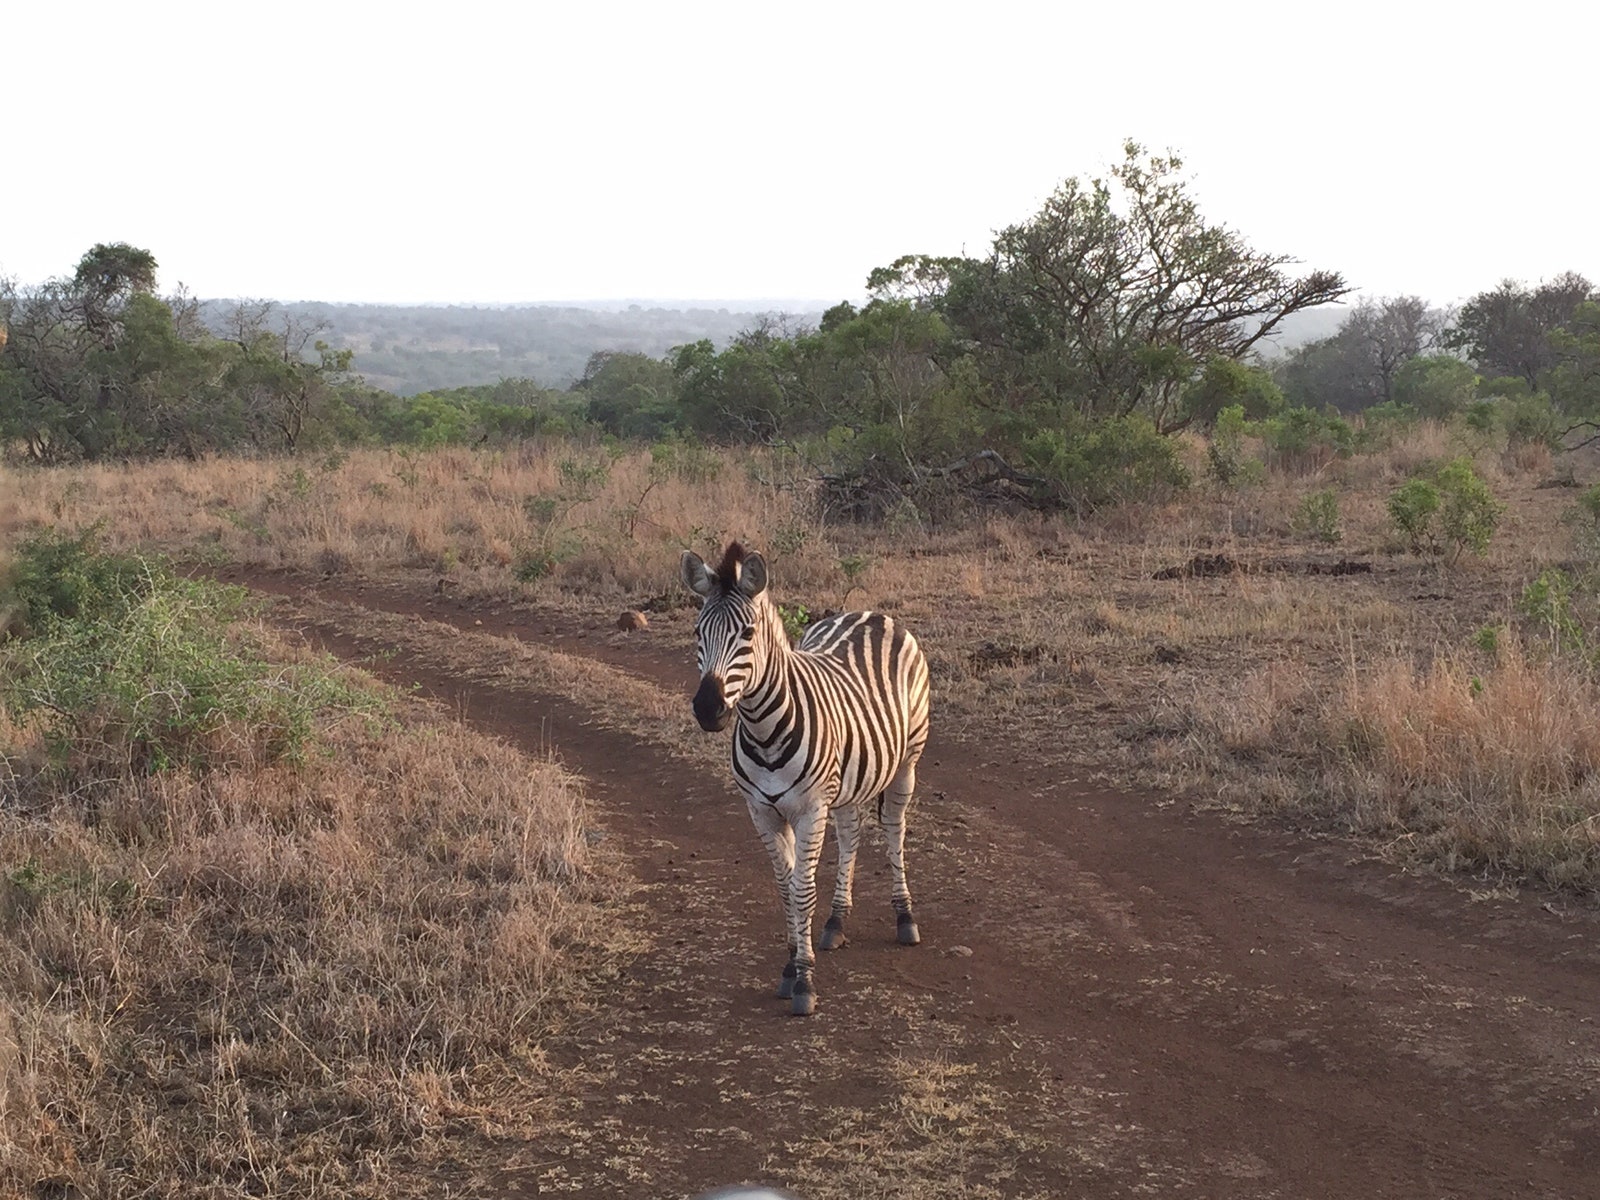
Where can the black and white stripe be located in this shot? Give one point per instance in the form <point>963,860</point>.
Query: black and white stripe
<point>821,729</point>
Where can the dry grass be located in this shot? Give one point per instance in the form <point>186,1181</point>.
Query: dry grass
<point>1039,629</point>
<point>1470,763</point>
<point>280,980</point>
<point>479,517</point>
<point>1486,767</point>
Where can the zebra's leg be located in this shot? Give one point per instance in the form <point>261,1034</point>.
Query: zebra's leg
<point>892,815</point>
<point>779,840</point>
<point>809,826</point>
<point>847,827</point>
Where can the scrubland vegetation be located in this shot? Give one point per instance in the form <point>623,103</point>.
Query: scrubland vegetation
<point>267,928</point>
<point>264,926</point>
<point>1313,640</point>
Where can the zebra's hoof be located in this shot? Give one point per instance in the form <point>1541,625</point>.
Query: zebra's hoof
<point>905,930</point>
<point>786,984</point>
<point>804,1002</point>
<point>832,935</point>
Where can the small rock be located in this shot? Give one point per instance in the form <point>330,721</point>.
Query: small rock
<point>960,951</point>
<point>632,619</point>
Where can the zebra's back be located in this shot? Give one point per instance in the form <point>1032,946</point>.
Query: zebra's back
<point>877,680</point>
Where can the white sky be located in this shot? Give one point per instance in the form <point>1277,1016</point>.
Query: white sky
<point>473,152</point>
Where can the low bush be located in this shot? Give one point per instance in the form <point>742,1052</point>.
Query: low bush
<point>1449,514</point>
<point>1108,462</point>
<point>129,669</point>
<point>1318,516</point>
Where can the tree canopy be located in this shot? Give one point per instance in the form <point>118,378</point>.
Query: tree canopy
<point>1112,298</point>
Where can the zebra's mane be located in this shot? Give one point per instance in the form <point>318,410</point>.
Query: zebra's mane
<point>728,569</point>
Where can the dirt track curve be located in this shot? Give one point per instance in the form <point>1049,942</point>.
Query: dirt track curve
<point>1116,995</point>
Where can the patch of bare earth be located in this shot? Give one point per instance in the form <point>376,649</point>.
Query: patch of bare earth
<point>1116,995</point>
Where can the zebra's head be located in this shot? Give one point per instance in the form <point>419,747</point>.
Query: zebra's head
<point>728,632</point>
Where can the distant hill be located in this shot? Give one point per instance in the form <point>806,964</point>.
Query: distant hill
<point>1297,329</point>
<point>408,349</point>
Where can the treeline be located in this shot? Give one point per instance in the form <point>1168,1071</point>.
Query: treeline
<point>1052,370</point>
<point>410,349</point>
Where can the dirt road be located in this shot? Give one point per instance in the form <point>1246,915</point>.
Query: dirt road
<point>1115,996</point>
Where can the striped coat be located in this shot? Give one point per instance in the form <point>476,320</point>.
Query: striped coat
<point>820,730</point>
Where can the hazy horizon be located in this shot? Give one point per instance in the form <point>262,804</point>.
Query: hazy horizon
<point>719,154</point>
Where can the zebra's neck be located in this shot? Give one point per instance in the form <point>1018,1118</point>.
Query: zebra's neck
<point>770,678</point>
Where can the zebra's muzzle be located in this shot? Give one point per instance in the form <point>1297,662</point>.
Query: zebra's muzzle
<point>711,706</point>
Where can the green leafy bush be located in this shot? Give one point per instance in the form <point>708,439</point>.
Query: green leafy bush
<point>1227,383</point>
<point>1481,416</point>
<point>1436,385</point>
<point>1589,503</point>
<point>1382,424</point>
<point>1547,602</point>
<point>680,457</point>
<point>1304,440</point>
<point>1413,507</point>
<point>1530,420</point>
<point>61,576</point>
<point>1318,516</point>
<point>796,617</point>
<point>1470,513</point>
<point>1226,460</point>
<point>1453,512</point>
<point>131,669</point>
<point>1105,462</point>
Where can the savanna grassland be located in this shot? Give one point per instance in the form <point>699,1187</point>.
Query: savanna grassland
<point>1275,646</point>
<point>271,928</point>
<point>313,941</point>
<point>355,838</point>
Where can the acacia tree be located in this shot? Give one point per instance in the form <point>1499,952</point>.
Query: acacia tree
<point>1388,333</point>
<point>285,375</point>
<point>1357,367</point>
<point>64,398</point>
<point>1112,297</point>
<point>1507,330</point>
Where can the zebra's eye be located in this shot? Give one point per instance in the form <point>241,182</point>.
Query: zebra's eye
<point>748,632</point>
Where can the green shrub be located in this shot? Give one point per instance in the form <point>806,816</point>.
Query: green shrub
<point>685,458</point>
<point>1436,385</point>
<point>138,670</point>
<point>61,576</point>
<point>1481,416</point>
<point>1489,639</point>
<point>854,567</point>
<point>1106,462</point>
<point>1303,439</point>
<point>1530,420</point>
<point>1589,503</point>
<point>1504,387</point>
<point>1470,513</point>
<point>1548,603</point>
<point>796,617</point>
<point>1227,383</point>
<point>1382,424</point>
<point>1318,516</point>
<point>1453,512</point>
<point>1413,507</point>
<point>1226,461</point>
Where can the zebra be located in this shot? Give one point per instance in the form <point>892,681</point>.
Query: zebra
<point>822,728</point>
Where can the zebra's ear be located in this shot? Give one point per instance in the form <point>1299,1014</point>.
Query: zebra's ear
<point>753,575</point>
<point>697,577</point>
